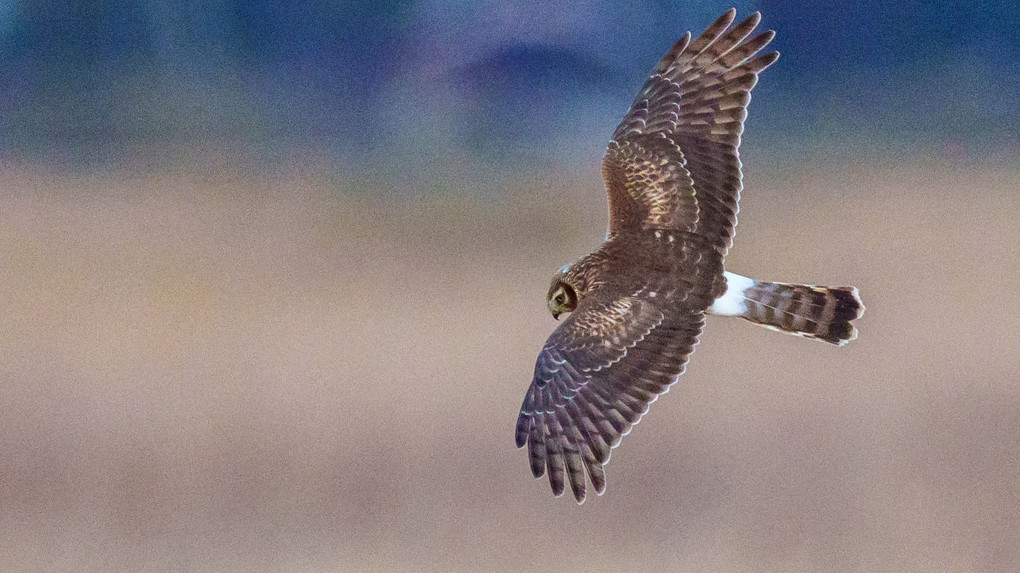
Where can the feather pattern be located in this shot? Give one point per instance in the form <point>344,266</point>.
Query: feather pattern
<point>592,386</point>
<point>672,174</point>
<point>693,108</point>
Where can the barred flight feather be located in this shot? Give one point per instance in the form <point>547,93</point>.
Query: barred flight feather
<point>673,177</point>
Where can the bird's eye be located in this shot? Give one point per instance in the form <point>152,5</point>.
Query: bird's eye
<point>560,299</point>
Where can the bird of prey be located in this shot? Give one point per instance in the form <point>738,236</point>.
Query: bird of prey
<point>637,304</point>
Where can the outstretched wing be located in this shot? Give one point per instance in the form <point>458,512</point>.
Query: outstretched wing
<point>594,380</point>
<point>673,161</point>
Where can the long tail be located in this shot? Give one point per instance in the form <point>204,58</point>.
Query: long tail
<point>822,313</point>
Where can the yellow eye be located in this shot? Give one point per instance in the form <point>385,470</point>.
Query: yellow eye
<point>562,299</point>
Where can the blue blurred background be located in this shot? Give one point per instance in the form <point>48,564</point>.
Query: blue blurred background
<point>425,85</point>
<point>272,279</point>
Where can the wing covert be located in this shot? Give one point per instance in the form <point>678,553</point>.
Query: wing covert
<point>649,185</point>
<point>696,98</point>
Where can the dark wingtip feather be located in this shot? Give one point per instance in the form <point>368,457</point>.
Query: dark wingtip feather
<point>763,61</point>
<point>556,478</point>
<point>537,468</point>
<point>577,485</point>
<point>747,25</point>
<point>724,21</point>
<point>597,473</point>
<point>673,53</point>
<point>523,429</point>
<point>556,465</point>
<point>536,450</point>
<point>714,30</point>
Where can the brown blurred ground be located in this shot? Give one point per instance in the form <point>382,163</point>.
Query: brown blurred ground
<point>212,371</point>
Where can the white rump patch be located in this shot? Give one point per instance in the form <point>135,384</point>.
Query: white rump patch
<point>732,302</point>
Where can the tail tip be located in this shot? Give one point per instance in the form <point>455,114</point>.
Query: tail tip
<point>856,294</point>
<point>842,332</point>
<point>847,339</point>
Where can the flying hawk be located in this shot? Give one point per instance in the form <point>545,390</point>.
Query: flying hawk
<point>637,304</point>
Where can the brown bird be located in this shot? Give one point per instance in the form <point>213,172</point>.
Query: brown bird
<point>637,304</point>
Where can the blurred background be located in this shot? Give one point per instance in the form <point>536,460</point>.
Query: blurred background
<point>273,274</point>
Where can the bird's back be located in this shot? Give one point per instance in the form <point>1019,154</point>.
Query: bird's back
<point>675,265</point>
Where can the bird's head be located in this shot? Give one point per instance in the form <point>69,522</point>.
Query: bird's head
<point>562,295</point>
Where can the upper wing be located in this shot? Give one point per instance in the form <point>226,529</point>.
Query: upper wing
<point>673,160</point>
<point>594,379</point>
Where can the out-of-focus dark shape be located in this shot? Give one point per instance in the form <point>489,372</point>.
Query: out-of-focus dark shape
<point>91,84</point>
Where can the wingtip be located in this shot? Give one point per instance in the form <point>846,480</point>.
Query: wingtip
<point>767,60</point>
<point>522,430</point>
<point>724,21</point>
<point>537,471</point>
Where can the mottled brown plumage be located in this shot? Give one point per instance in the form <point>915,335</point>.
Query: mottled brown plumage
<point>673,176</point>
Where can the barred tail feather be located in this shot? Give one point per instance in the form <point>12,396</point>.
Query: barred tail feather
<point>822,313</point>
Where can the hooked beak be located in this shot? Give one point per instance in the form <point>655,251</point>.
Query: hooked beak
<point>555,314</point>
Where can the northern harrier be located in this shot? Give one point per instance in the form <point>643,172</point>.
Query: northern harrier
<point>638,303</point>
